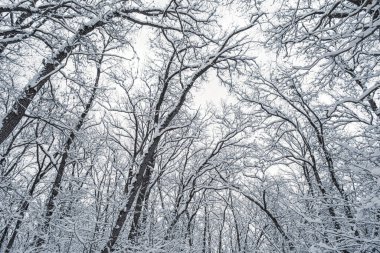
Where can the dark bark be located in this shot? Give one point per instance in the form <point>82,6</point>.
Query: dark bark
<point>122,216</point>
<point>19,108</point>
<point>220,247</point>
<point>204,240</point>
<point>50,206</point>
<point>25,15</point>
<point>140,203</point>
<point>25,206</point>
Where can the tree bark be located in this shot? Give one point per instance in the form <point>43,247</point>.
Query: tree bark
<point>61,169</point>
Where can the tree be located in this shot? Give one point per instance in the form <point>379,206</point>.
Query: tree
<point>104,146</point>
<point>311,148</point>
<point>49,20</point>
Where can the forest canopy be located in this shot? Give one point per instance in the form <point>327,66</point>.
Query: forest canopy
<point>105,146</point>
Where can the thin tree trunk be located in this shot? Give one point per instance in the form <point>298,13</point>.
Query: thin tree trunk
<point>50,206</point>
<point>22,210</point>
<point>122,216</point>
<point>14,116</point>
<point>141,199</point>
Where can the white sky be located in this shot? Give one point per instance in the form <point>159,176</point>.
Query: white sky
<point>210,92</point>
